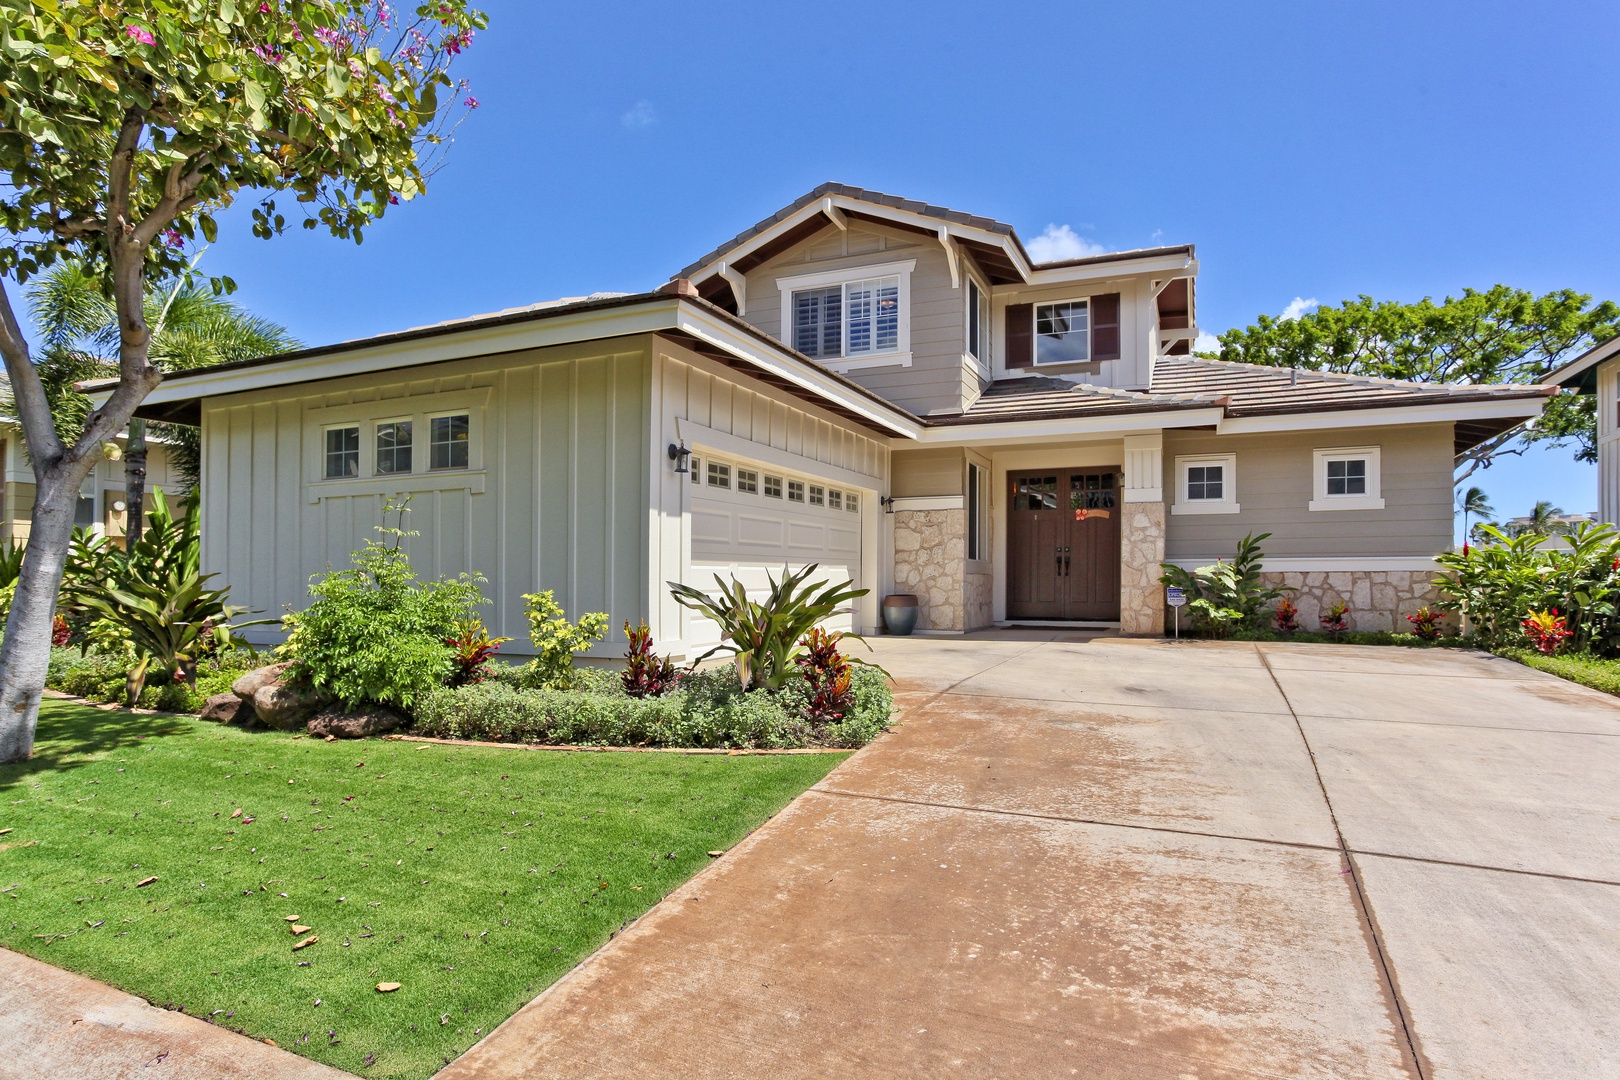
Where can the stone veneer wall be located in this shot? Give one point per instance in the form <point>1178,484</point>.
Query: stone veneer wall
<point>1378,599</point>
<point>1141,550</point>
<point>978,598</point>
<point>929,559</point>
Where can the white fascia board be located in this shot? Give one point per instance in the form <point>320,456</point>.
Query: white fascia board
<point>1084,427</point>
<point>1175,265</point>
<point>704,325</point>
<point>1439,412</point>
<point>458,344</point>
<point>1593,356</point>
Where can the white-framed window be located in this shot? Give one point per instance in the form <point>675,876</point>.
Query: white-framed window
<point>747,482</point>
<point>449,437</point>
<point>719,475</point>
<point>978,323</point>
<point>342,452</point>
<point>835,499</point>
<point>1206,484</point>
<point>795,490</point>
<point>818,495</point>
<point>852,501</point>
<point>853,318</point>
<point>773,486</point>
<point>393,447</point>
<point>1347,478</point>
<point>978,517</point>
<point>1063,332</point>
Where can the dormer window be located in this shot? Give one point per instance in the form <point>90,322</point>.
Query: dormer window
<point>1063,332</point>
<point>857,316</point>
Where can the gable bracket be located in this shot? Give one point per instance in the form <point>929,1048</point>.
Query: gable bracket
<point>953,255</point>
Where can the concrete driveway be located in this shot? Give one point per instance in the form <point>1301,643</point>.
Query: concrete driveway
<point>1115,858</point>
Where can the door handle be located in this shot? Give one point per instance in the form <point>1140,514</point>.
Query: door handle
<point>1058,554</point>
<point>1066,558</point>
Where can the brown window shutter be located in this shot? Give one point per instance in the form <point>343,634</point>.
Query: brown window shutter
<point>1020,335</point>
<point>1105,327</point>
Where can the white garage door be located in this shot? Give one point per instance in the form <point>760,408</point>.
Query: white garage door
<point>748,519</point>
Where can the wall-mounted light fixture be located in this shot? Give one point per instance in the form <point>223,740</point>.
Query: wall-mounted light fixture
<point>887,502</point>
<point>679,455</point>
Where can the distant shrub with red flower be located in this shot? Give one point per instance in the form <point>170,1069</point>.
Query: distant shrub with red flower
<point>1333,618</point>
<point>1426,623</point>
<point>1287,616</point>
<point>1547,630</point>
<point>646,674</point>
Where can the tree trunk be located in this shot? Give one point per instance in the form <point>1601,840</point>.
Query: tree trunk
<point>135,483</point>
<point>26,651</point>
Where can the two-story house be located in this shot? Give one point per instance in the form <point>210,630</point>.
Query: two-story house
<point>889,389</point>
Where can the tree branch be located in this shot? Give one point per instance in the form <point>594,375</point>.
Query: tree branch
<point>33,408</point>
<point>179,187</point>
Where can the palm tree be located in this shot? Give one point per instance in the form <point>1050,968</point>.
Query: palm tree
<point>192,327</point>
<point>1541,521</point>
<point>1473,503</point>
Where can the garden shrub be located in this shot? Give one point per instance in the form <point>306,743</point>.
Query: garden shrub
<point>1227,596</point>
<point>376,633</point>
<point>708,709</point>
<point>1497,587</point>
<point>556,640</point>
<point>646,674</point>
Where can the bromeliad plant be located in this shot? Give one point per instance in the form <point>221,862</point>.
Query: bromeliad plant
<point>768,636</point>
<point>1547,630</point>
<point>646,674</point>
<point>1426,623</point>
<point>1334,618</point>
<point>157,600</point>
<point>473,648</point>
<point>1227,596</point>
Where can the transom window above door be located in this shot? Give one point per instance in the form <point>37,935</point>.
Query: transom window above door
<point>857,315</point>
<point>1035,493</point>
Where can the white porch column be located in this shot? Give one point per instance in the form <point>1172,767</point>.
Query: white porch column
<point>1141,537</point>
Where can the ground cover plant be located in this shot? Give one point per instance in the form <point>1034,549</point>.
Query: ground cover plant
<point>471,877</point>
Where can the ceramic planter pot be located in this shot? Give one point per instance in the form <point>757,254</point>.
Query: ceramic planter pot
<point>900,613</point>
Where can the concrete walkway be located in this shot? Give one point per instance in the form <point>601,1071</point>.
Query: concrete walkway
<point>1111,859</point>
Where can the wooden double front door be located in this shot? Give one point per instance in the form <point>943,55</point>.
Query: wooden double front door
<point>1063,544</point>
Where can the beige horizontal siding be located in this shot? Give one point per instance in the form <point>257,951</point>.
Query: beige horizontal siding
<point>920,473</point>
<point>932,382</point>
<point>1274,489</point>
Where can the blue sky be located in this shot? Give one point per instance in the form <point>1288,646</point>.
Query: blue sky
<point>1310,150</point>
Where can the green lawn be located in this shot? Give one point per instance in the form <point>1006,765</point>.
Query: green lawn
<point>472,877</point>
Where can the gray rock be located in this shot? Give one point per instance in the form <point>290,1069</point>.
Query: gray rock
<point>341,723</point>
<point>227,709</point>
<point>284,706</point>
<point>250,683</point>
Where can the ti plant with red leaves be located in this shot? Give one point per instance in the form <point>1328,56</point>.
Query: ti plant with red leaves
<point>1333,618</point>
<point>646,674</point>
<point>473,649</point>
<point>1287,616</point>
<point>1426,623</point>
<point>827,671</point>
<point>1546,630</point>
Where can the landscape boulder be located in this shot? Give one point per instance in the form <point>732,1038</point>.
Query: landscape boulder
<point>249,684</point>
<point>341,723</point>
<point>284,706</point>
<point>227,709</point>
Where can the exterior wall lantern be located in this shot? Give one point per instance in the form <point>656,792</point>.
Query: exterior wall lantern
<point>679,455</point>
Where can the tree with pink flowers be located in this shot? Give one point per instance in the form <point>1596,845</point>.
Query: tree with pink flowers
<point>125,129</point>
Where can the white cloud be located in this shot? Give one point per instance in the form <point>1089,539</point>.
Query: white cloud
<point>1296,307</point>
<point>639,115</point>
<point>1206,342</point>
<point>1157,233</point>
<point>1060,242</point>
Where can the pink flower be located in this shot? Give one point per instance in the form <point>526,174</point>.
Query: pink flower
<point>173,238</point>
<point>264,9</point>
<point>140,34</point>
<point>454,43</point>
<point>471,102</point>
<point>393,200</point>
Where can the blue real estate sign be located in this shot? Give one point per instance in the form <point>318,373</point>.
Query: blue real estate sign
<point>1175,597</point>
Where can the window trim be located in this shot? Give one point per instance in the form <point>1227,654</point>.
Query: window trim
<point>359,450</point>
<point>376,450</point>
<point>1374,497</point>
<point>975,512</point>
<point>446,414</point>
<point>900,356</point>
<point>1035,334</point>
<point>1227,504</point>
<point>977,351</point>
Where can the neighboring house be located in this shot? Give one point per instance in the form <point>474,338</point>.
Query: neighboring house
<point>889,389</point>
<point>101,499</point>
<point>1597,372</point>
